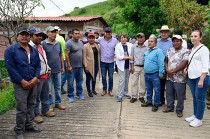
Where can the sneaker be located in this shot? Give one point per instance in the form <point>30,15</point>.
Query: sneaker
<point>127,96</point>
<point>71,99</point>
<point>190,119</point>
<point>60,106</point>
<point>133,100</point>
<point>142,100</point>
<point>90,94</point>
<point>38,119</point>
<point>49,114</point>
<point>119,99</point>
<point>95,93</point>
<point>19,136</point>
<point>196,123</point>
<point>81,97</point>
<point>147,104</point>
<point>51,108</point>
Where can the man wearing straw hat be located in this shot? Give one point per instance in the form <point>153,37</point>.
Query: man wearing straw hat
<point>164,43</point>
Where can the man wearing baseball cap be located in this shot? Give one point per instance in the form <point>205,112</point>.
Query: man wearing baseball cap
<point>43,86</point>
<point>23,65</point>
<point>175,62</point>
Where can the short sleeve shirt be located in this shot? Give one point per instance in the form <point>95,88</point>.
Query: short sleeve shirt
<point>75,48</point>
<point>174,59</point>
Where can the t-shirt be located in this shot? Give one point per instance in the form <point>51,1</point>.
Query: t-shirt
<point>95,52</point>
<point>125,47</point>
<point>75,48</point>
<point>53,52</point>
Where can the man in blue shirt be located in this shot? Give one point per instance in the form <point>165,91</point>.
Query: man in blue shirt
<point>23,65</point>
<point>153,69</point>
<point>164,43</point>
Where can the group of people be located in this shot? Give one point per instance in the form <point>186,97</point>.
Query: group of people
<point>36,66</point>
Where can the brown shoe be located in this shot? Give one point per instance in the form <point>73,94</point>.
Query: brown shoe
<point>103,93</point>
<point>208,107</point>
<point>110,93</point>
<point>207,102</point>
<point>49,114</point>
<point>38,119</point>
<point>179,114</point>
<point>60,106</point>
<point>142,100</point>
<point>133,100</point>
<point>166,110</point>
<point>51,108</point>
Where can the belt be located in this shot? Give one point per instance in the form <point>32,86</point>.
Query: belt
<point>151,73</point>
<point>139,65</point>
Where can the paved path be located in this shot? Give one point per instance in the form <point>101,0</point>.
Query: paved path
<point>103,118</point>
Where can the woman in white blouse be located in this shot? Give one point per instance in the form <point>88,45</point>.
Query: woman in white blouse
<point>198,77</point>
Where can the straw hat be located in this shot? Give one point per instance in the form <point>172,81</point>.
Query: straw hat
<point>165,27</point>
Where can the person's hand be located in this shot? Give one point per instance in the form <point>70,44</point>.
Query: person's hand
<point>162,77</point>
<point>25,84</point>
<point>200,83</point>
<point>70,69</point>
<point>132,70</point>
<point>130,58</point>
<point>170,73</point>
<point>49,73</point>
<point>86,69</point>
<point>62,70</point>
<point>34,81</point>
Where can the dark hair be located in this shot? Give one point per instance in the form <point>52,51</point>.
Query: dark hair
<point>86,34</point>
<point>73,30</point>
<point>124,36</point>
<point>96,33</point>
<point>178,32</point>
<point>69,32</point>
<point>200,33</point>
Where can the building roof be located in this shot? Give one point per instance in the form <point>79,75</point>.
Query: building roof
<point>68,19</point>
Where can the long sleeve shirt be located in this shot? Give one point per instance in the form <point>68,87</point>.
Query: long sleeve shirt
<point>19,65</point>
<point>154,61</point>
<point>164,45</point>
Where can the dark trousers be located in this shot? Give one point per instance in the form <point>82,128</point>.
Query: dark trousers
<point>43,97</point>
<point>25,103</point>
<point>173,89</point>
<point>89,77</point>
<point>162,90</point>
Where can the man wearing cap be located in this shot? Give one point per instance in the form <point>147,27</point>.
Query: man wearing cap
<point>23,65</point>
<point>153,69</point>
<point>62,42</point>
<point>55,61</point>
<point>43,86</point>
<point>73,51</point>
<point>137,69</point>
<point>175,62</point>
<point>107,46</point>
<point>164,43</point>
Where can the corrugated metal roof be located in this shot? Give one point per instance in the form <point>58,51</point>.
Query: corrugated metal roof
<point>72,18</point>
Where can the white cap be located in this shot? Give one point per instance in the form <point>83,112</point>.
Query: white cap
<point>177,37</point>
<point>56,27</point>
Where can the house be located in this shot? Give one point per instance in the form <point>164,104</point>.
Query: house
<point>83,23</point>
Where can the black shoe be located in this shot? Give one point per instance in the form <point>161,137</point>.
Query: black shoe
<point>146,104</point>
<point>161,104</point>
<point>133,100</point>
<point>63,91</point>
<point>95,93</point>
<point>34,129</point>
<point>19,136</point>
<point>127,96</point>
<point>90,94</point>
<point>179,114</point>
<point>154,109</point>
<point>142,100</point>
<point>166,110</point>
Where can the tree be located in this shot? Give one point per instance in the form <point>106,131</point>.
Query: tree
<point>12,15</point>
<point>143,16</point>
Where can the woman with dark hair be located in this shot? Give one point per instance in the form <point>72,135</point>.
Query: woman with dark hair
<point>91,62</point>
<point>198,73</point>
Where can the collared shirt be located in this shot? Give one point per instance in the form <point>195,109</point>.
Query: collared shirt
<point>138,53</point>
<point>174,59</point>
<point>18,65</point>
<point>154,61</point>
<point>164,45</point>
<point>53,52</point>
<point>107,49</point>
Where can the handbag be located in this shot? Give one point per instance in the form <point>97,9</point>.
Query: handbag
<point>186,72</point>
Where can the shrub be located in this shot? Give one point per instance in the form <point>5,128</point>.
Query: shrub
<point>7,100</point>
<point>3,70</point>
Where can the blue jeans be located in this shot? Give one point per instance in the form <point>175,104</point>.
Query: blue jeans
<point>76,74</point>
<point>199,96</point>
<point>152,81</point>
<point>107,67</point>
<point>89,78</point>
<point>42,96</point>
<point>64,76</point>
<point>55,79</point>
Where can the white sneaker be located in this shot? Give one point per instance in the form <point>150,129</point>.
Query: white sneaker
<point>190,119</point>
<point>196,123</point>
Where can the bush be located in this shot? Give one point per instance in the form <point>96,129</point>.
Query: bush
<point>7,99</point>
<point>3,70</point>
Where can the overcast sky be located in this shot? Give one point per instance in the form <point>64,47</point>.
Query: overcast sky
<point>66,5</point>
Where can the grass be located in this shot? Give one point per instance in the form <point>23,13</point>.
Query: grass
<point>7,100</point>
